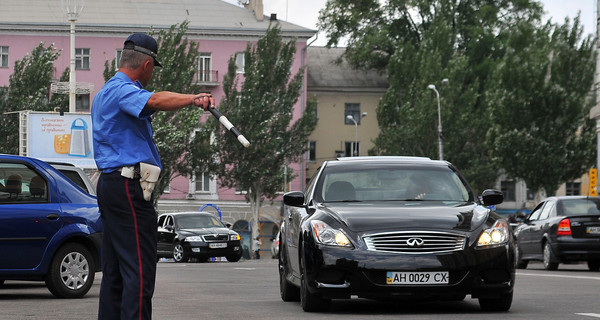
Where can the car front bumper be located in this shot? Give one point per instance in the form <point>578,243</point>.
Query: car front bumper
<point>340,273</point>
<point>204,249</point>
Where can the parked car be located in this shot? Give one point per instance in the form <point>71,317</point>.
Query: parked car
<point>50,229</point>
<point>275,247</point>
<point>75,174</point>
<point>199,235</point>
<point>393,228</point>
<point>561,230</point>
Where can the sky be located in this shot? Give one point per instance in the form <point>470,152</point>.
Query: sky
<point>305,13</point>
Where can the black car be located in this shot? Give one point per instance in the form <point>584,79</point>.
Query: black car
<point>394,228</point>
<point>186,235</point>
<point>561,230</point>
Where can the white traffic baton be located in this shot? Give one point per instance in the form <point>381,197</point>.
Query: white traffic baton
<point>229,126</point>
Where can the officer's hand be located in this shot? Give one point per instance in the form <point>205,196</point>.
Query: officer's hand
<point>204,101</point>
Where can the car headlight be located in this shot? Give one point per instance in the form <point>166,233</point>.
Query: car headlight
<point>496,235</point>
<point>327,235</point>
<point>194,239</point>
<point>234,237</point>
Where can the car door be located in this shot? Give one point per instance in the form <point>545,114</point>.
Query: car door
<point>526,232</point>
<point>28,219</point>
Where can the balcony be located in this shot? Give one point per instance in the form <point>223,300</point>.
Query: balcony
<point>207,78</point>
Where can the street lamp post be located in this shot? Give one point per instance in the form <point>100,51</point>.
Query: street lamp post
<point>355,142</point>
<point>72,9</point>
<point>440,146</point>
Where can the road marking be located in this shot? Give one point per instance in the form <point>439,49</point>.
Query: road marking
<point>557,276</point>
<point>595,315</point>
<point>245,268</point>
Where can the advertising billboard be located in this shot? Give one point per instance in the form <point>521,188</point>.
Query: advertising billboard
<point>61,138</point>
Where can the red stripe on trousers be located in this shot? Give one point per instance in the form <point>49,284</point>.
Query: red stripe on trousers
<point>137,240</point>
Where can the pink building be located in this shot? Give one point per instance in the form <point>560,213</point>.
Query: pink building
<point>222,30</point>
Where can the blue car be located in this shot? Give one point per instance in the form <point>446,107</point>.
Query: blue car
<point>50,229</point>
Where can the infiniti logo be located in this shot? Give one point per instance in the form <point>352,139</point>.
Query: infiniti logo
<point>415,242</point>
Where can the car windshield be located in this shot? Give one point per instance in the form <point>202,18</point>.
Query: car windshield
<point>577,207</point>
<point>198,222</point>
<point>391,183</point>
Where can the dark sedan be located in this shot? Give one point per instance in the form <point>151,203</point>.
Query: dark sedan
<point>561,230</point>
<point>186,235</point>
<point>394,228</point>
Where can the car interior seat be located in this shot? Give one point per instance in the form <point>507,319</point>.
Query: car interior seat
<point>37,186</point>
<point>13,184</point>
<point>340,191</point>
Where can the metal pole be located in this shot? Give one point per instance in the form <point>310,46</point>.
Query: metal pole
<point>355,138</point>
<point>440,146</point>
<point>72,79</point>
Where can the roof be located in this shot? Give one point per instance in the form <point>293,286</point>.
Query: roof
<point>204,16</point>
<point>325,74</point>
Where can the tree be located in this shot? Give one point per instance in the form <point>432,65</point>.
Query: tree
<point>28,90</point>
<point>175,132</point>
<point>262,108</point>
<point>540,128</point>
<point>420,42</point>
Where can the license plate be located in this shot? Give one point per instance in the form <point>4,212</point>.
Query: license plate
<point>217,245</point>
<point>417,278</point>
<point>592,230</point>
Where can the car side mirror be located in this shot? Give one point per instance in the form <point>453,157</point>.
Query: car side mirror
<point>294,199</point>
<point>169,228</point>
<point>491,197</point>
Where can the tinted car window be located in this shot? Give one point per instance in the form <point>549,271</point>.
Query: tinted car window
<point>576,207</point>
<point>20,184</point>
<point>197,222</point>
<point>392,183</point>
<point>535,214</point>
<point>546,210</point>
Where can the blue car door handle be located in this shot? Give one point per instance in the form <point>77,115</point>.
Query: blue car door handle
<point>52,216</point>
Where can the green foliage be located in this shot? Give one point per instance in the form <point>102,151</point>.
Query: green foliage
<point>262,108</point>
<point>493,53</point>
<point>541,131</point>
<point>28,90</point>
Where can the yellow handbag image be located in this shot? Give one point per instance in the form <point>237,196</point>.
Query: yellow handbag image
<point>62,143</point>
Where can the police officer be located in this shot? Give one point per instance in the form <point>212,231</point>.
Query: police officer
<point>126,154</point>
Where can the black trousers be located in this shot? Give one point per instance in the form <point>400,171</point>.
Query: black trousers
<point>128,250</point>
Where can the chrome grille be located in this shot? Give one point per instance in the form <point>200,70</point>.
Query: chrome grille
<point>414,242</point>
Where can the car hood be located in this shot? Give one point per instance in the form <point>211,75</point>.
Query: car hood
<point>203,231</point>
<point>369,217</point>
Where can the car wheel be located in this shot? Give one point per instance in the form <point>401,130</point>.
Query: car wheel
<point>593,265</point>
<point>71,272</point>
<point>178,254</point>
<point>521,264</point>
<point>310,302</point>
<point>234,257</point>
<point>502,303</point>
<point>549,258</point>
<point>287,291</point>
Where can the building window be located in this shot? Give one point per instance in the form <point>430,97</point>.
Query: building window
<point>202,183</point>
<point>203,69</point>
<point>508,190</point>
<point>573,188</point>
<point>530,195</point>
<point>352,109</point>
<point>3,57</point>
<point>240,62</point>
<point>82,103</point>
<point>118,58</point>
<point>311,154</point>
<point>82,59</point>
<point>350,151</point>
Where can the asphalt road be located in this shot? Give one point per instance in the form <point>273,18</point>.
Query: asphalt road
<point>249,290</point>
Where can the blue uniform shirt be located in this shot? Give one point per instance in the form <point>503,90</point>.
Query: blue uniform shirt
<point>122,130</point>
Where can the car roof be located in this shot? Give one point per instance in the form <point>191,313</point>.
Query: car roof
<point>570,198</point>
<point>388,160</point>
<point>187,213</point>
